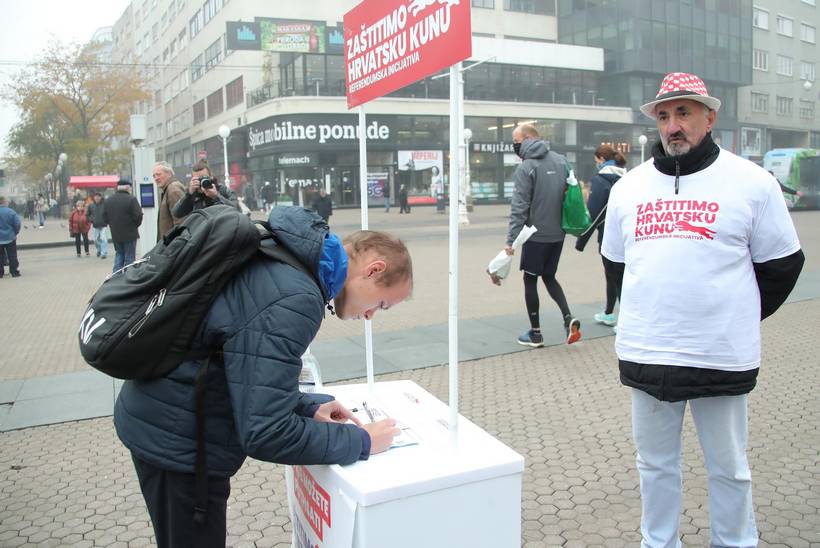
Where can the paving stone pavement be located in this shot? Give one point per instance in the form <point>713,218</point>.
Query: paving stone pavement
<point>561,407</point>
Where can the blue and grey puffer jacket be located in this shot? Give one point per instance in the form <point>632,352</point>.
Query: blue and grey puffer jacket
<point>263,320</point>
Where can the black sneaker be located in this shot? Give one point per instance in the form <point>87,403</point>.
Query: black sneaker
<point>531,338</point>
<point>572,326</point>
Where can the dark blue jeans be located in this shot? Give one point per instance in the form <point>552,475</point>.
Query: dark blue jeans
<point>125,253</point>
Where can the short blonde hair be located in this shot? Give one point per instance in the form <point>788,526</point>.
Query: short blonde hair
<point>387,247</point>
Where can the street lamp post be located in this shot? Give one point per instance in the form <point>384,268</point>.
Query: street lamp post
<point>225,132</point>
<point>642,140</point>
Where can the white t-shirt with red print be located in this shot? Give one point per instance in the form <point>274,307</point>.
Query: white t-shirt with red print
<point>689,296</point>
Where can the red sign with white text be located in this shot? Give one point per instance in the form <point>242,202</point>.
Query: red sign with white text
<point>392,43</point>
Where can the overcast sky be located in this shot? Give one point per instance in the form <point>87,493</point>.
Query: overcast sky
<point>29,24</point>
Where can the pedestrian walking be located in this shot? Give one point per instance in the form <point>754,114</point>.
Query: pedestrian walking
<point>40,208</point>
<point>268,196</point>
<point>404,207</point>
<point>707,250</point>
<point>250,196</point>
<point>610,164</point>
<point>386,194</point>
<point>78,227</point>
<point>256,330</point>
<point>537,200</point>
<point>323,205</point>
<point>94,213</point>
<point>9,229</point>
<point>171,191</point>
<point>123,214</point>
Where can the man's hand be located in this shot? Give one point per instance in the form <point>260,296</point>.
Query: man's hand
<point>211,192</point>
<point>381,434</point>
<point>494,278</point>
<point>333,411</point>
<point>193,186</point>
<point>509,250</point>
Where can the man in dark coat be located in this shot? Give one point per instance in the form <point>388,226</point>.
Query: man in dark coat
<point>323,205</point>
<point>260,324</point>
<point>95,215</point>
<point>123,214</point>
<point>201,195</point>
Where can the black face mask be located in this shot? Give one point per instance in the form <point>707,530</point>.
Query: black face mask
<point>517,148</point>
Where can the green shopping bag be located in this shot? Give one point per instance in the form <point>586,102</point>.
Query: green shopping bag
<point>575,217</point>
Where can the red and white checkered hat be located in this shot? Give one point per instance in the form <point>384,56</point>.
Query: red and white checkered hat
<point>680,85</point>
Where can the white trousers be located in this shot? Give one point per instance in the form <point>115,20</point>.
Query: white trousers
<point>722,428</point>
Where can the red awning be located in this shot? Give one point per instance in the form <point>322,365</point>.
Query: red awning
<point>94,181</point>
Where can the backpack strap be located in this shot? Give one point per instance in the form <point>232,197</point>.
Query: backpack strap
<point>201,467</point>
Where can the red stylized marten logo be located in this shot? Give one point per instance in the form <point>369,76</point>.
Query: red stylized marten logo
<point>702,230</point>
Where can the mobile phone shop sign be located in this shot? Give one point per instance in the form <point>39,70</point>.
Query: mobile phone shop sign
<point>392,43</point>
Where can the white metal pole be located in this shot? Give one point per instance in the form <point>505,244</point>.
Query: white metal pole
<point>368,326</point>
<point>225,159</point>
<point>455,133</point>
<point>462,154</point>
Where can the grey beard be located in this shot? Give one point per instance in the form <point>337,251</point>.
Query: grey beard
<point>676,150</point>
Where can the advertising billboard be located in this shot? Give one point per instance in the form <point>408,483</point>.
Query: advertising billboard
<point>392,43</point>
<point>288,35</point>
<point>242,36</point>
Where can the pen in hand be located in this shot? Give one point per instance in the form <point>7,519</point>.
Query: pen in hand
<point>367,410</point>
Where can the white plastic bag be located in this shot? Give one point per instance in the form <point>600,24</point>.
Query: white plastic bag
<point>499,267</point>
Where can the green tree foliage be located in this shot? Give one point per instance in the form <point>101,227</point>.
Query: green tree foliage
<point>70,101</point>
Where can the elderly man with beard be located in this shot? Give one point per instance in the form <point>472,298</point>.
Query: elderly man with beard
<point>706,250</point>
<point>171,191</point>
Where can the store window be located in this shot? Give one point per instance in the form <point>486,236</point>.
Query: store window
<point>489,4</point>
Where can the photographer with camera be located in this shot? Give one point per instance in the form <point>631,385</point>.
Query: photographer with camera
<point>204,191</point>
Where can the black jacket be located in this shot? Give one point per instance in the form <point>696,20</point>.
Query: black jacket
<point>323,206</point>
<point>122,212</point>
<point>198,200</point>
<point>95,214</point>
<point>263,321</point>
<point>600,186</point>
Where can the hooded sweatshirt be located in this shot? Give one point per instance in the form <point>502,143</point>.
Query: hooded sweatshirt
<point>538,195</point>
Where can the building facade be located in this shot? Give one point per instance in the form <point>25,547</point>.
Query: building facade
<point>779,108</point>
<point>224,62</point>
<point>274,74</point>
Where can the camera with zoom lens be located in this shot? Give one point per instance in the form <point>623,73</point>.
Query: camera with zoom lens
<point>206,182</point>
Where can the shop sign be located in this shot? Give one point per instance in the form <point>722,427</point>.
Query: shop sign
<point>392,43</point>
<point>493,148</point>
<point>302,183</point>
<point>296,160</point>
<point>335,40</point>
<point>304,130</point>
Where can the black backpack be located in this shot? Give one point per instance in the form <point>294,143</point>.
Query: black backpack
<point>141,321</point>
